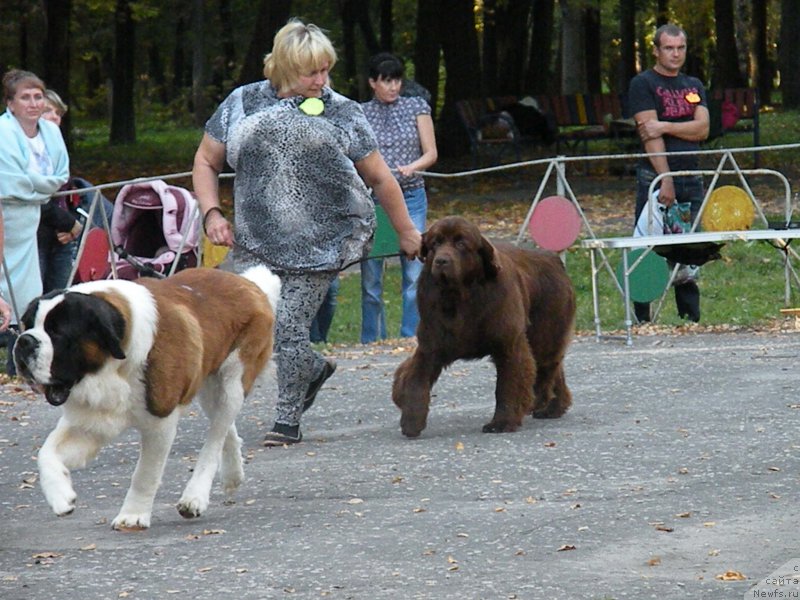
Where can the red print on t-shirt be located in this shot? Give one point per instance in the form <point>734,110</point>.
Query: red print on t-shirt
<point>674,103</point>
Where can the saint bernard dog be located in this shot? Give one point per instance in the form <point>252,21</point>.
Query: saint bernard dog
<point>119,354</point>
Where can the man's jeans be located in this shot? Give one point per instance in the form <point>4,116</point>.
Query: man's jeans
<point>373,314</point>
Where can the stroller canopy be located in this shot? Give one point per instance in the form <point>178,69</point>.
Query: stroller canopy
<point>155,224</point>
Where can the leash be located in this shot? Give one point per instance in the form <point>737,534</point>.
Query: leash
<point>282,268</point>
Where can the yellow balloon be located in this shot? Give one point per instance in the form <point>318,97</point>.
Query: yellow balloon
<point>213,255</point>
<point>729,208</point>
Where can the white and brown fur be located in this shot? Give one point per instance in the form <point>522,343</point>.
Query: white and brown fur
<point>120,354</point>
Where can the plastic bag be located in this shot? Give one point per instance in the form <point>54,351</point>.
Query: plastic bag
<point>644,225</point>
<point>672,220</point>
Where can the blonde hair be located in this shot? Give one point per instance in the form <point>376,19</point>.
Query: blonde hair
<point>297,49</point>
<point>15,78</point>
<point>52,97</point>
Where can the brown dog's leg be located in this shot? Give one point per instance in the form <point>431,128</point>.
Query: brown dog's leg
<point>552,396</point>
<point>411,391</point>
<point>516,374</point>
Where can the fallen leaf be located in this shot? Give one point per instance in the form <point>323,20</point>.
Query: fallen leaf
<point>460,446</point>
<point>355,501</point>
<point>654,562</point>
<point>684,515</point>
<point>47,555</point>
<point>90,547</point>
<point>774,469</point>
<point>731,576</point>
<point>451,560</point>
<point>549,444</point>
<point>566,547</point>
<point>213,531</point>
<point>205,569</point>
<point>665,528</point>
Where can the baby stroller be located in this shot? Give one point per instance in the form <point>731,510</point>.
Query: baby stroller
<point>154,232</point>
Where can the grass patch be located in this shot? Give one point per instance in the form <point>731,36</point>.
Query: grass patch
<point>745,288</point>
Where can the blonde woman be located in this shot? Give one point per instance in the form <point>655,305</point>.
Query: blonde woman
<point>304,157</point>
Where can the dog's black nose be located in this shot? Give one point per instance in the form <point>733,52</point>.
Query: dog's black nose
<point>441,261</point>
<point>25,348</point>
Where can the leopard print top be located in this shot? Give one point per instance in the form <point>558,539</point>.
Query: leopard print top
<point>300,204</point>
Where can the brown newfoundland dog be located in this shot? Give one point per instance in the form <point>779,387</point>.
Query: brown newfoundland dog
<point>477,299</point>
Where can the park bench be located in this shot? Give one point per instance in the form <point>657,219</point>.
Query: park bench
<point>585,117</point>
<point>747,105</point>
<point>579,118</point>
<point>489,128</point>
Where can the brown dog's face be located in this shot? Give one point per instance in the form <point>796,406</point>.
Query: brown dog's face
<point>455,251</point>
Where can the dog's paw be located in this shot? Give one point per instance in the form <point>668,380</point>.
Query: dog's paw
<point>231,481</point>
<point>551,411</point>
<point>131,521</point>
<point>64,505</point>
<point>190,508</point>
<point>231,475</point>
<point>500,427</point>
<point>61,498</point>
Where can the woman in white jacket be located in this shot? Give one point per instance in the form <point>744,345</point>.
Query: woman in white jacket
<point>33,165</point>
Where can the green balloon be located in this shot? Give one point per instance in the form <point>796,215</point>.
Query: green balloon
<point>649,279</point>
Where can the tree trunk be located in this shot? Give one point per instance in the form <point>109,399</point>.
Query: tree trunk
<point>200,105</point>
<point>387,26</point>
<point>348,84</point>
<point>272,15</point>
<point>662,12</point>
<point>489,54</point>
<point>763,70</point>
<point>361,9</point>
<point>573,48</point>
<point>593,49</point>
<point>539,77</point>
<point>726,58</point>
<point>626,69</point>
<point>462,63</point>
<point>513,20</point>
<point>788,56</point>
<point>57,50</point>
<point>427,48</point>
<point>224,71</point>
<point>123,121</point>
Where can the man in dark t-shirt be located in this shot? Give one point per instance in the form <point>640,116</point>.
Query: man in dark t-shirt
<point>671,115</point>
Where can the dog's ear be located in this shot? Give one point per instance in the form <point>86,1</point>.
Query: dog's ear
<point>107,325</point>
<point>423,249</point>
<point>490,265</point>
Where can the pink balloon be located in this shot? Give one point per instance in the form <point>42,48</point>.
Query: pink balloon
<point>555,223</point>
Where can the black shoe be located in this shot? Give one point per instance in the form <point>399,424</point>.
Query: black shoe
<point>687,298</point>
<point>283,435</point>
<point>311,395</point>
<point>642,311</point>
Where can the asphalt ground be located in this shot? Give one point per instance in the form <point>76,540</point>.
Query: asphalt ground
<point>674,475</point>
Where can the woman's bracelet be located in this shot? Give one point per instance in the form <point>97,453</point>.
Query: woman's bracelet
<point>208,212</point>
